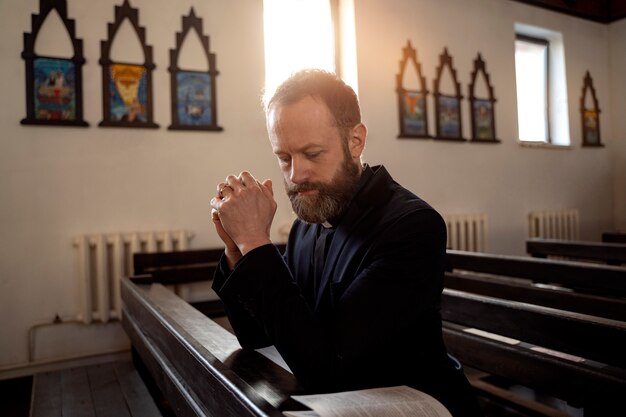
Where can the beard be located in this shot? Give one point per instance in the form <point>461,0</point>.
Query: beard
<point>332,198</point>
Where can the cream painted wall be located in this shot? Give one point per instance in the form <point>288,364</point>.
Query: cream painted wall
<point>617,32</point>
<point>59,182</point>
<point>507,180</point>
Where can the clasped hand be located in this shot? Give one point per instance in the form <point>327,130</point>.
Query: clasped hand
<point>242,212</point>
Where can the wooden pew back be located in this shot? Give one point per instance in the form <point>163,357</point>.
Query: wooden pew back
<point>571,356</point>
<point>614,237</point>
<point>523,290</point>
<point>584,276</point>
<point>199,366</point>
<point>611,253</point>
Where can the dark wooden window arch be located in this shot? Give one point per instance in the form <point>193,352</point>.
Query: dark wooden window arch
<point>482,109</point>
<point>194,98</point>
<point>126,88</point>
<point>412,104</point>
<point>54,86</point>
<point>590,116</point>
<point>447,107</point>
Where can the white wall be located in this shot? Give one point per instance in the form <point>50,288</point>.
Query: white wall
<point>59,182</point>
<point>617,63</point>
<point>506,181</point>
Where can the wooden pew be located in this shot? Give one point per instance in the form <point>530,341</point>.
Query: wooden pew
<point>593,376</point>
<point>198,366</point>
<point>581,276</point>
<point>614,237</point>
<point>178,267</point>
<point>610,253</point>
<point>181,267</point>
<point>526,291</point>
<point>154,313</point>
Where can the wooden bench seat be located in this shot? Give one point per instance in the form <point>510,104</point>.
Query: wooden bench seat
<point>580,276</point>
<point>111,389</point>
<point>565,354</point>
<point>614,237</point>
<point>571,356</point>
<point>198,365</point>
<point>524,290</point>
<point>610,253</point>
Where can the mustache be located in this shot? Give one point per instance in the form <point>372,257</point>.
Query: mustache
<point>293,189</point>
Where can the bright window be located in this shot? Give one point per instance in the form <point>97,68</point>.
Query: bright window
<point>542,104</point>
<point>531,72</point>
<point>298,34</point>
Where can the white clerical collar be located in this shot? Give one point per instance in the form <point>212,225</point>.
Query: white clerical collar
<point>327,225</point>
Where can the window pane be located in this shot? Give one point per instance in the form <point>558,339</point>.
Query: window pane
<point>531,64</point>
<point>298,34</point>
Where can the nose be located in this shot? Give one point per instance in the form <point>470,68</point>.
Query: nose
<point>300,171</point>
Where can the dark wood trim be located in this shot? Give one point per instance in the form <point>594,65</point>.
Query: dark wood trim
<point>523,290</point>
<point>614,237</point>
<point>590,337</point>
<point>199,366</point>
<point>29,56</point>
<point>480,68</point>
<point>445,60</point>
<point>588,88</point>
<point>409,56</point>
<point>125,11</point>
<point>602,11</point>
<point>578,383</point>
<point>595,278</point>
<point>189,22</point>
<point>611,253</point>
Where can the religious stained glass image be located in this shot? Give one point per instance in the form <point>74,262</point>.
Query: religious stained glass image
<point>449,120</point>
<point>55,89</point>
<point>483,119</point>
<point>128,89</point>
<point>590,123</point>
<point>193,98</point>
<point>414,114</point>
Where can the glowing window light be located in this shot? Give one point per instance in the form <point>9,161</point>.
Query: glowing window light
<point>298,34</point>
<point>531,78</point>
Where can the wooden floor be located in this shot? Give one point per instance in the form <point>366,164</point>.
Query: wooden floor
<point>106,389</point>
<point>15,397</point>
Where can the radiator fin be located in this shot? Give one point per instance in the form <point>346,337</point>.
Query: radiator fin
<point>467,232</point>
<point>554,224</point>
<point>103,259</point>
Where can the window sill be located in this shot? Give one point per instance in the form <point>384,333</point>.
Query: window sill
<point>542,145</point>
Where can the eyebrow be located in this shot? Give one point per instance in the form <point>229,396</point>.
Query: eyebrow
<point>303,149</point>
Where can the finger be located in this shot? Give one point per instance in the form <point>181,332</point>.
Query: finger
<point>269,186</point>
<point>233,182</point>
<point>247,179</point>
<point>223,188</point>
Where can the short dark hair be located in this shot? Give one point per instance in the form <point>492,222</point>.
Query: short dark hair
<point>328,87</point>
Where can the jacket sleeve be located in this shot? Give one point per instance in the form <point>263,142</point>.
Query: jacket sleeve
<point>387,311</point>
<point>249,332</point>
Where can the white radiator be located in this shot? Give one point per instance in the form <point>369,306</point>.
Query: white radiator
<point>103,259</point>
<point>467,231</point>
<point>554,224</point>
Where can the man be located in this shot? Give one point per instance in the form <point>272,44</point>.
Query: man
<point>354,302</point>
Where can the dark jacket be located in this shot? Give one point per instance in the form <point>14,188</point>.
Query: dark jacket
<point>374,317</point>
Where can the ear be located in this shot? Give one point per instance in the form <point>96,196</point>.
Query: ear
<point>356,140</point>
